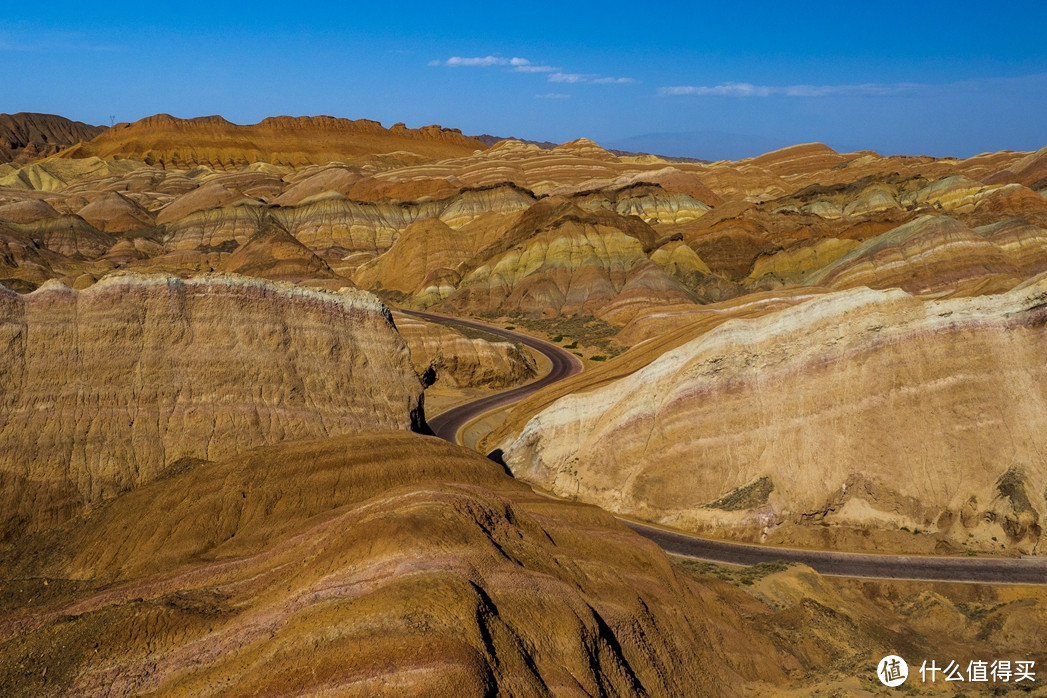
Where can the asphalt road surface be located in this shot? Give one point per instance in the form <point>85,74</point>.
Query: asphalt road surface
<point>923,567</point>
<point>914,567</point>
<point>446,424</point>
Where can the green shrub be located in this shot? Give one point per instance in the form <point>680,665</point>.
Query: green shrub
<point>598,357</point>
<point>572,345</point>
<point>557,338</point>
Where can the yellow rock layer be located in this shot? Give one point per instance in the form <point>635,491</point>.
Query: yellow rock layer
<point>862,408</point>
<point>102,390</point>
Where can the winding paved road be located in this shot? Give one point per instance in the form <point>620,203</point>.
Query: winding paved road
<point>913,567</point>
<point>921,567</point>
<point>447,424</point>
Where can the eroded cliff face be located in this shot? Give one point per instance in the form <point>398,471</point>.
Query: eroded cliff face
<point>868,409</point>
<point>442,354</point>
<point>105,389</point>
<point>26,136</point>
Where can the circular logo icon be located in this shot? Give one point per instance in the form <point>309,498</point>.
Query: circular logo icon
<point>892,670</point>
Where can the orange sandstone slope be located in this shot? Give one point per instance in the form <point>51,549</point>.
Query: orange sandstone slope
<point>392,564</point>
<point>383,563</point>
<point>377,564</point>
<point>283,140</point>
<point>107,389</point>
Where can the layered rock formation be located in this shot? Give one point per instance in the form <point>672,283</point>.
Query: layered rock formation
<point>113,212</point>
<point>25,136</point>
<point>555,259</point>
<point>864,408</point>
<point>938,253</point>
<point>840,350</point>
<point>55,174</point>
<point>398,564</point>
<point>283,140</point>
<point>717,231</point>
<point>272,253</point>
<point>387,563</point>
<point>445,355</point>
<point>106,389</point>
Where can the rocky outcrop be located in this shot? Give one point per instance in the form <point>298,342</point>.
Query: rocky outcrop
<point>25,137</point>
<point>205,197</point>
<point>650,202</point>
<point>798,160</point>
<point>442,354</point>
<point>471,204</point>
<point>106,389</point>
<point>935,253</point>
<point>69,236</point>
<point>334,223</point>
<point>425,251</point>
<point>27,211</point>
<point>55,174</point>
<point>272,253</point>
<point>1028,169</point>
<point>24,265</point>
<point>864,408</point>
<point>216,229</point>
<point>314,181</point>
<point>114,213</point>
<point>558,259</point>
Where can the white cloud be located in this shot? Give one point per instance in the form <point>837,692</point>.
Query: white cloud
<point>730,89</point>
<point>519,65</point>
<point>575,78</point>
<point>523,65</point>
<point>745,89</point>
<point>480,61</point>
<point>535,69</point>
<point>553,95</point>
<point>570,78</point>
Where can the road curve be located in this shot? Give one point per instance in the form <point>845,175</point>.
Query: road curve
<point>447,424</point>
<point>911,567</point>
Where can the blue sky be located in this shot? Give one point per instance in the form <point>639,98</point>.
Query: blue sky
<point>727,80</point>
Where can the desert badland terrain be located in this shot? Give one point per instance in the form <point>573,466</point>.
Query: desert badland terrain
<point>216,473</point>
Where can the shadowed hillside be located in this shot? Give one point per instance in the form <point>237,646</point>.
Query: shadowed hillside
<point>25,137</point>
